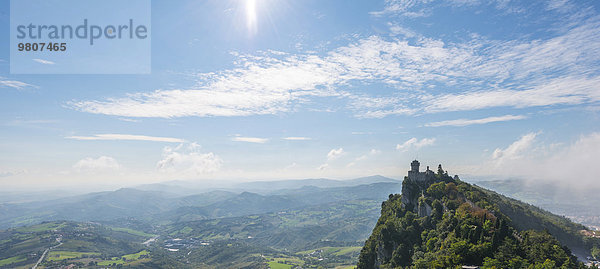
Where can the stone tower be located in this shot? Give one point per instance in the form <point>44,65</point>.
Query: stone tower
<point>414,166</point>
<point>415,175</point>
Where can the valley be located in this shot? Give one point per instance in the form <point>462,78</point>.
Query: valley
<point>288,224</point>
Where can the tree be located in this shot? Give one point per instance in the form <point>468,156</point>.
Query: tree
<point>596,252</point>
<point>440,171</point>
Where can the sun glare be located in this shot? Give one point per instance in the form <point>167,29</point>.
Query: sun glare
<point>251,16</point>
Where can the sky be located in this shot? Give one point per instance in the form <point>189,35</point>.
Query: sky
<point>278,89</point>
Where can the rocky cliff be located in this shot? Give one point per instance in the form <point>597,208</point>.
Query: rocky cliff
<point>441,222</point>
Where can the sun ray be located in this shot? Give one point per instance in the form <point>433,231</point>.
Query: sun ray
<point>251,16</point>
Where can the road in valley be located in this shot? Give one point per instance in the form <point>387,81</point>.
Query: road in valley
<point>46,252</point>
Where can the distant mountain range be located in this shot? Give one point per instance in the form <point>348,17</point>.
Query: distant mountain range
<point>316,222</point>
<point>168,201</point>
<point>300,223</point>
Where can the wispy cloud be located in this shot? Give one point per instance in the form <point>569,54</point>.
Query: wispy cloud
<point>424,8</point>
<point>12,173</point>
<point>42,61</point>
<point>361,133</point>
<point>250,139</point>
<point>415,143</point>
<point>15,84</point>
<point>96,164</point>
<point>323,166</point>
<point>402,7</point>
<point>334,154</point>
<point>297,138</point>
<point>269,84</point>
<point>559,5</point>
<point>371,153</point>
<point>127,137</point>
<point>560,69</point>
<point>465,122</point>
<point>128,120</point>
<point>564,90</point>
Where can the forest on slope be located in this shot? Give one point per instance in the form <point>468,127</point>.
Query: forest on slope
<point>443,222</point>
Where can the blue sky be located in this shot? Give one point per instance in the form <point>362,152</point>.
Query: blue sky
<point>265,89</point>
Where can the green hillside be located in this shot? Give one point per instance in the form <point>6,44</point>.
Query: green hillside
<point>442,222</point>
<point>310,226</point>
<point>64,243</point>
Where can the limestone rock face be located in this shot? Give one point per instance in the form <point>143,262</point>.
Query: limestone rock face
<point>424,209</point>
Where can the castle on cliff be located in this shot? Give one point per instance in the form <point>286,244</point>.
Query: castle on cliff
<point>415,175</point>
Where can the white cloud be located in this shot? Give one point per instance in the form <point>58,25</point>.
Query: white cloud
<point>127,137</point>
<point>397,29</point>
<point>12,173</point>
<point>565,90</point>
<point>128,120</point>
<point>480,73</point>
<point>403,7</point>
<point>371,153</point>
<point>261,85</point>
<point>423,8</point>
<point>566,163</point>
<point>515,150</point>
<point>271,84</point>
<point>250,139</point>
<point>188,161</point>
<point>415,143</point>
<point>297,138</point>
<point>378,107</point>
<point>465,122</point>
<point>334,154</point>
<point>42,61</point>
<point>14,84</point>
<point>558,5</point>
<point>361,133</point>
<point>323,166</point>
<point>291,166</point>
<point>102,163</point>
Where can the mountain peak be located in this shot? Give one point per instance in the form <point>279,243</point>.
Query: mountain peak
<point>441,222</point>
<point>417,182</point>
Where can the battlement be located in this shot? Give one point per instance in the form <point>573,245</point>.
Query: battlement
<point>415,175</point>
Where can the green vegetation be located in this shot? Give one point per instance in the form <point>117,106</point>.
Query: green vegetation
<point>44,227</point>
<point>289,260</point>
<point>136,256</point>
<point>439,223</point>
<point>132,231</point>
<point>12,260</point>
<point>127,259</point>
<point>337,251</point>
<point>581,203</point>
<point>278,265</point>
<point>71,243</point>
<point>65,255</point>
<point>445,223</point>
<point>111,262</point>
<point>596,252</point>
<point>294,230</point>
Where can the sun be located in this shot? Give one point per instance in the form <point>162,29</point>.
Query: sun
<point>251,22</point>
